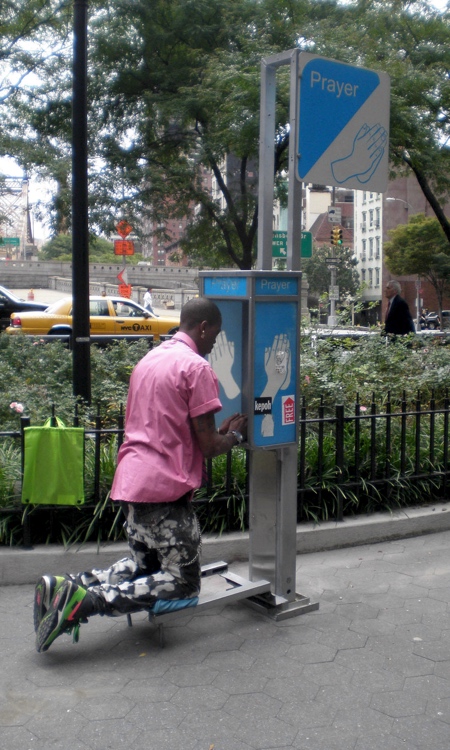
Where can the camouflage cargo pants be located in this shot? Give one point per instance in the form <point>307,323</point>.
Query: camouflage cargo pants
<point>164,560</point>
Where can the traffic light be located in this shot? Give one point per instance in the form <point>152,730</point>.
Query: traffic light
<point>336,236</point>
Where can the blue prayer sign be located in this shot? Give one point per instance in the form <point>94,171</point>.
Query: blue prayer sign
<point>343,133</point>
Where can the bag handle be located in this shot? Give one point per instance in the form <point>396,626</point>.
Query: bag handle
<point>59,422</point>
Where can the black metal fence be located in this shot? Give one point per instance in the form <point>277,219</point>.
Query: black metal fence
<point>350,461</point>
<point>375,457</point>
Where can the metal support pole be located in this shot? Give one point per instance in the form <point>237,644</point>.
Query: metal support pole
<point>269,67</point>
<point>332,315</point>
<point>80,232</point>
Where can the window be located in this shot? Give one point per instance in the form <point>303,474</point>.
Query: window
<point>363,275</point>
<point>371,248</point>
<point>377,277</point>
<point>370,277</point>
<point>377,247</point>
<point>98,307</point>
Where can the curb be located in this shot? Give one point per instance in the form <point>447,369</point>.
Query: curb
<point>20,566</point>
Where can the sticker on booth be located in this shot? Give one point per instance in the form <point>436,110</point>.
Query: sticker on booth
<point>287,410</point>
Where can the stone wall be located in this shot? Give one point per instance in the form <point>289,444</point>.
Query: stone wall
<point>37,275</point>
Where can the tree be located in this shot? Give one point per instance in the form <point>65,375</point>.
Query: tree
<point>421,247</point>
<point>318,274</point>
<point>174,98</point>
<point>60,248</point>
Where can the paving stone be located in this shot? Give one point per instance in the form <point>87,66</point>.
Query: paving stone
<point>439,708</point>
<point>307,714</point>
<point>238,681</point>
<point>370,670</point>
<point>111,734</point>
<point>378,681</point>
<point>430,686</point>
<point>328,673</point>
<point>347,695</point>
<point>290,690</point>
<point>311,653</point>
<point>194,698</point>
<point>270,733</point>
<point>435,650</point>
<point>329,738</point>
<point>399,703</point>
<point>409,664</point>
<point>253,706</point>
<point>381,741</point>
<point>372,627</point>
<point>362,720</point>
<point>361,659</point>
<point>343,640</point>
<point>422,732</point>
<point>154,690</point>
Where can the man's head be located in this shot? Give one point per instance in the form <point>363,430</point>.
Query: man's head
<point>201,319</point>
<point>392,288</point>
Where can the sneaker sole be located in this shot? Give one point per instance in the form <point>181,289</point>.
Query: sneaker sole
<point>44,593</point>
<point>55,623</point>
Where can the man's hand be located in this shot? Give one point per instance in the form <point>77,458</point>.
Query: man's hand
<point>235,422</point>
<point>214,442</point>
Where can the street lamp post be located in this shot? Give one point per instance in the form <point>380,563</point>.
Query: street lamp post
<point>80,232</point>
<point>333,265</point>
<point>400,200</point>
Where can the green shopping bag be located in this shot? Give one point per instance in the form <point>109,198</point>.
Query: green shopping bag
<point>53,472</point>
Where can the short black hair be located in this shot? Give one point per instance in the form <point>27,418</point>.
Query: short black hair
<point>198,309</point>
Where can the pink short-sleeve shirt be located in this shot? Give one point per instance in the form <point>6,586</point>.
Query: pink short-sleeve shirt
<point>160,459</point>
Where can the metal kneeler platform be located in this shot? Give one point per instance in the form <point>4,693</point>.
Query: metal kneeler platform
<point>214,593</point>
<point>223,587</point>
<point>217,592</point>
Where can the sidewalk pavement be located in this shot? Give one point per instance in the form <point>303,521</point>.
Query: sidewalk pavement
<point>370,670</point>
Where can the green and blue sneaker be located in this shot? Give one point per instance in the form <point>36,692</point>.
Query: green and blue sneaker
<point>44,592</point>
<point>64,614</point>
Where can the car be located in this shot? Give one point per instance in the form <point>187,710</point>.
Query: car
<point>430,320</point>
<point>108,315</point>
<point>10,304</point>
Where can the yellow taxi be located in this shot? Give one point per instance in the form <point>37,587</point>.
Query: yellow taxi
<point>108,316</point>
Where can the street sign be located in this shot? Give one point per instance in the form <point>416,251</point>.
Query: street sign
<point>333,292</point>
<point>343,133</point>
<point>306,248</point>
<point>9,240</point>
<point>124,229</point>
<point>123,247</point>
<point>125,290</point>
<point>334,215</point>
<point>279,245</point>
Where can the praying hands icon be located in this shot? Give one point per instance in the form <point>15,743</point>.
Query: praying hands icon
<point>221,360</point>
<point>367,151</point>
<point>277,364</point>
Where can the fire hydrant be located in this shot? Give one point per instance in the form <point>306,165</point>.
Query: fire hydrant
<point>31,294</point>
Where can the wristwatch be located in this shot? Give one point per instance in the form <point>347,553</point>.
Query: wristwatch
<point>239,437</point>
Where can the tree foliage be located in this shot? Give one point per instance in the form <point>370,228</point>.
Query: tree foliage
<point>60,248</point>
<point>174,99</point>
<point>318,273</point>
<point>420,247</point>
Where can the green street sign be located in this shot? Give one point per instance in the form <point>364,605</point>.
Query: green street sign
<point>279,245</point>
<point>9,240</point>
<point>306,248</point>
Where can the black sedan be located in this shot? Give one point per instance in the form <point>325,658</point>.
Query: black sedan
<point>9,304</point>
